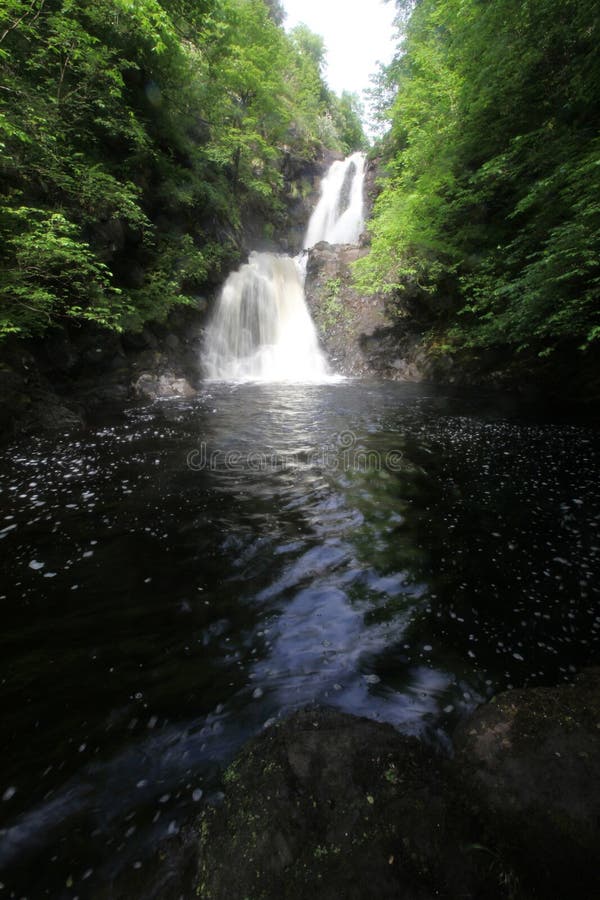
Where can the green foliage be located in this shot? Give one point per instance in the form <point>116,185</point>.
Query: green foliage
<point>348,114</point>
<point>134,136</point>
<point>490,197</point>
<point>56,274</point>
<point>321,118</point>
<point>333,288</point>
<point>331,310</point>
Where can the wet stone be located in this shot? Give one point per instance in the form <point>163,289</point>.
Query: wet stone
<point>328,805</point>
<point>530,759</point>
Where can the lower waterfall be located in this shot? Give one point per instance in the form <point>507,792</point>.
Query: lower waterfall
<point>262,329</point>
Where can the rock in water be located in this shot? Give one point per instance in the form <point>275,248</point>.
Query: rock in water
<point>330,806</point>
<point>531,760</point>
<point>154,387</point>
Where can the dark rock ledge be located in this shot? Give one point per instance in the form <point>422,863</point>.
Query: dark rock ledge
<point>61,381</point>
<point>530,761</point>
<point>328,806</point>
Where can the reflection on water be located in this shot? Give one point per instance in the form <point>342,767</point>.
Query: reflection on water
<point>181,576</point>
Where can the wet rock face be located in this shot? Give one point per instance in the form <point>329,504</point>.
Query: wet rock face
<point>61,380</point>
<point>154,387</point>
<point>531,760</point>
<point>326,805</point>
<point>358,334</point>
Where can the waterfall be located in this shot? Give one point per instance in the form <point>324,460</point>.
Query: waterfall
<point>261,329</point>
<point>339,216</point>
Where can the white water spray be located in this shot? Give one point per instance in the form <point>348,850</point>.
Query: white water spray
<point>261,329</point>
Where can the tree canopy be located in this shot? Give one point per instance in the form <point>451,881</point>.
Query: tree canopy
<point>492,159</point>
<point>133,136</point>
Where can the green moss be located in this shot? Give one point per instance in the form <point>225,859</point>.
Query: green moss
<point>332,310</point>
<point>231,774</point>
<point>391,774</point>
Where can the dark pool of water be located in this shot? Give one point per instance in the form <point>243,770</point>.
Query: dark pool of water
<point>180,576</point>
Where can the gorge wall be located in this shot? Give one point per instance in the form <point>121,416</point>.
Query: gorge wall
<point>358,334</point>
<point>72,372</point>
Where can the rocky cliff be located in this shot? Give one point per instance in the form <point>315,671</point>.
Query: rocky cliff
<point>359,334</point>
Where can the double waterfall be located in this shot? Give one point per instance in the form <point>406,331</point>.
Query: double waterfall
<point>261,329</point>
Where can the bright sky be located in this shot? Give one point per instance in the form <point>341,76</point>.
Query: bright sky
<point>358,34</point>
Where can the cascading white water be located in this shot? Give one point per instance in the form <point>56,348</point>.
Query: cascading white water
<point>339,215</point>
<point>261,329</point>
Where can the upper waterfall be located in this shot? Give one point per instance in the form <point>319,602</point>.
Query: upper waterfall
<point>338,217</point>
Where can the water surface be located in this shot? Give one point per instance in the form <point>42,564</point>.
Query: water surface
<point>184,573</point>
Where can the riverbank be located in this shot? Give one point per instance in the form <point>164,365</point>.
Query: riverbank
<point>67,378</point>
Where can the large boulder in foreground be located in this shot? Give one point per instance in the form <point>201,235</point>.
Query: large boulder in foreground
<point>327,805</point>
<point>530,759</point>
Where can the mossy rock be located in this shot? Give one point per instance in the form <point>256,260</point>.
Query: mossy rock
<point>326,805</point>
<point>530,759</point>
